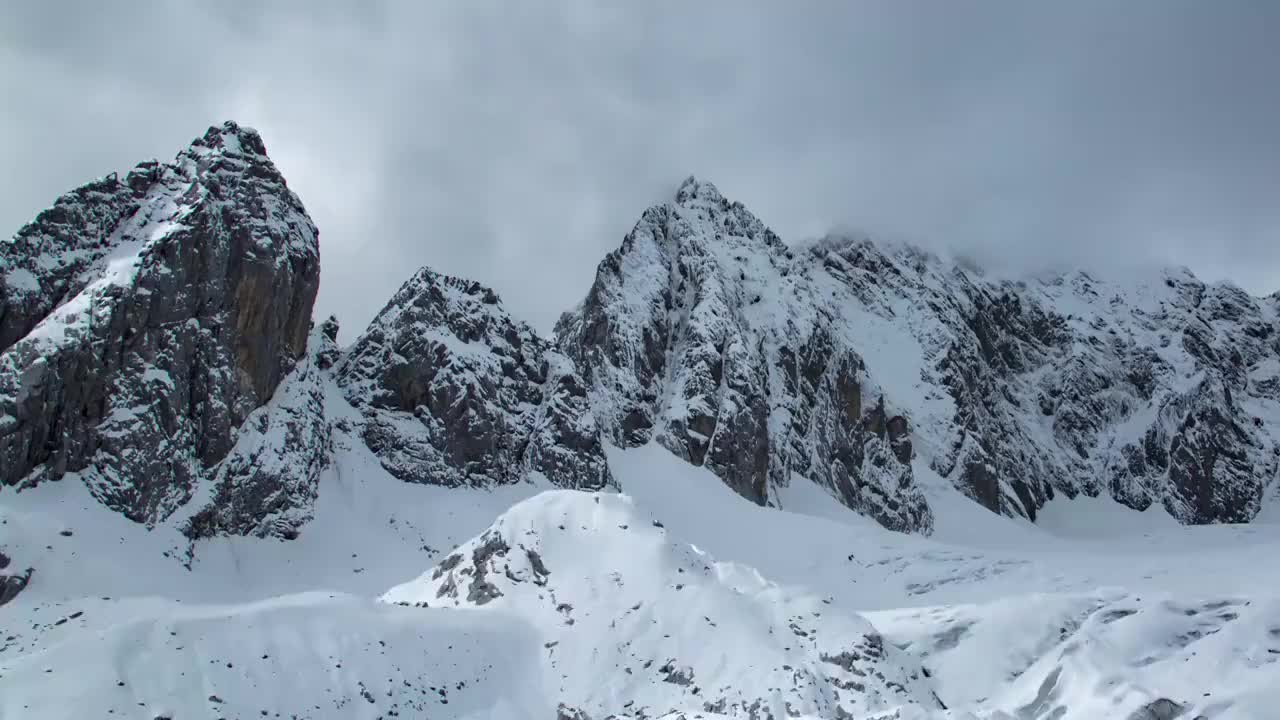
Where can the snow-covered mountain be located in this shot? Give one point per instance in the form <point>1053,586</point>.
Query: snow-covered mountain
<point>704,333</point>
<point>838,360</point>
<point>146,318</point>
<point>454,392</point>
<point>708,495</point>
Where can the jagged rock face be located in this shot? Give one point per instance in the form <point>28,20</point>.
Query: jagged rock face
<point>707,334</point>
<point>269,482</point>
<point>12,585</point>
<point>44,263</point>
<point>1150,391</point>
<point>143,320</point>
<point>151,330</point>
<point>1156,390</point>
<point>454,392</point>
<point>843,360</point>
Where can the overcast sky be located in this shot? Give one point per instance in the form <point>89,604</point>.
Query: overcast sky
<point>517,142</point>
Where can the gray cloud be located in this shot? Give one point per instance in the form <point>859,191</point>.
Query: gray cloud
<point>516,143</point>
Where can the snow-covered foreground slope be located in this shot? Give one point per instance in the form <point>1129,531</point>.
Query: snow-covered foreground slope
<point>316,655</point>
<point>1105,617</point>
<point>1079,618</point>
<point>634,619</point>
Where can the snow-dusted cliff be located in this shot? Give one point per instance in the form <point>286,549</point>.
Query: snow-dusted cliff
<point>454,392</point>
<point>704,333</point>
<point>1156,389</point>
<point>145,318</point>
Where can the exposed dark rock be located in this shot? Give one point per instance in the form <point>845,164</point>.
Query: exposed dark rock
<point>329,352</point>
<point>481,590</point>
<point>1210,470</point>
<point>535,561</point>
<point>704,333</point>
<point>564,712</point>
<point>144,319</point>
<point>682,676</point>
<point>1161,709</point>
<point>269,482</point>
<point>454,392</point>
<point>446,565</point>
<point>11,585</point>
<point>1076,385</point>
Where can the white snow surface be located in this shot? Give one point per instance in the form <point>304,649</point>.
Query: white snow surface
<point>634,618</point>
<point>1090,615</point>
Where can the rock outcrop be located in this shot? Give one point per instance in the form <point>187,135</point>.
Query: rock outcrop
<point>11,582</point>
<point>144,319</point>
<point>453,392</point>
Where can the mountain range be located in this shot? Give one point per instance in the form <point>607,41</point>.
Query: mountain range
<point>162,379</point>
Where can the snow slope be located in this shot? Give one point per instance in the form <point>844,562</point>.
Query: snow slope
<point>993,615</point>
<point>1009,617</point>
<point>634,619</point>
<point>316,655</point>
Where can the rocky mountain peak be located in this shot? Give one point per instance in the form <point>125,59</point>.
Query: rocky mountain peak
<point>705,333</point>
<point>453,391</point>
<point>1074,382</point>
<point>156,342</point>
<point>703,214</point>
<point>143,320</point>
<point>467,310</point>
<point>696,329</point>
<point>231,139</point>
<point>693,191</point>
